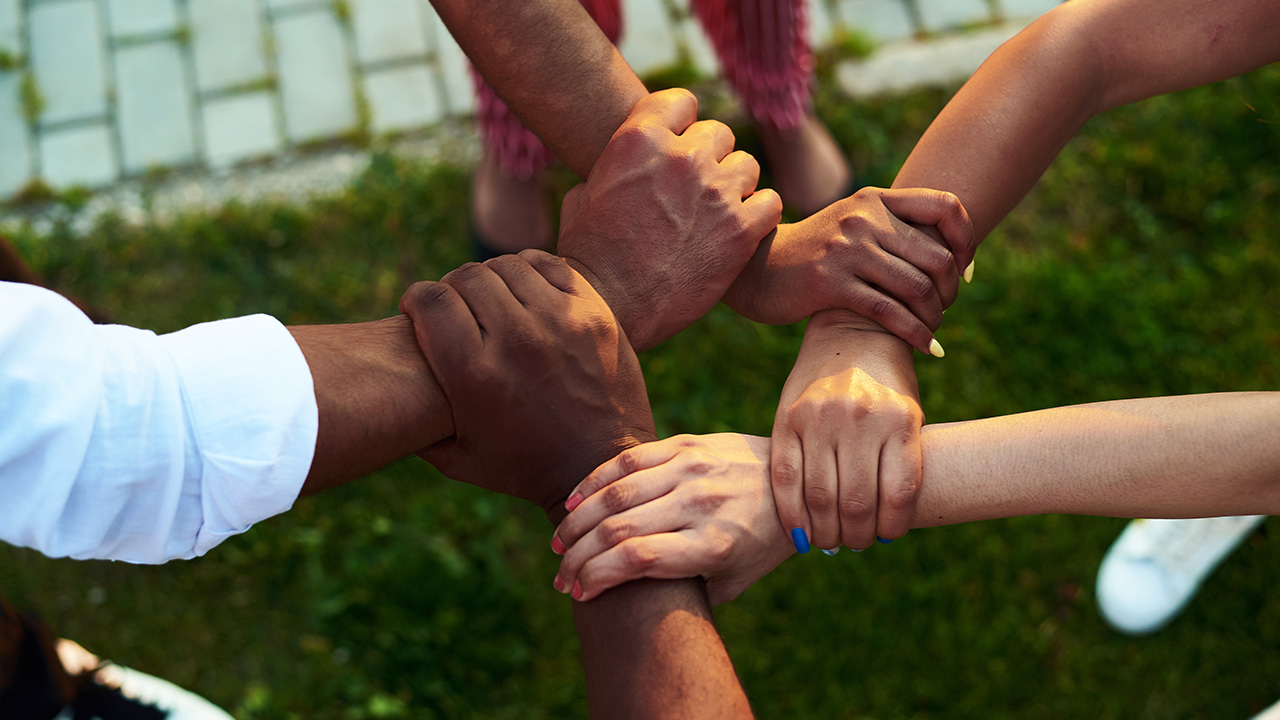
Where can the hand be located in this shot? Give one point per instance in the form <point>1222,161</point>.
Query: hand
<point>846,440</point>
<point>667,219</point>
<point>861,254</point>
<point>543,384</point>
<point>687,506</point>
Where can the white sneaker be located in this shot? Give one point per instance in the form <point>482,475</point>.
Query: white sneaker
<point>1155,567</point>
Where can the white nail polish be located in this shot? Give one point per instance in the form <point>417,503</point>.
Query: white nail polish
<point>935,348</point>
<point>968,272</point>
<point>832,551</point>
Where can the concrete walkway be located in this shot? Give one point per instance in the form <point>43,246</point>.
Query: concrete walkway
<point>93,92</point>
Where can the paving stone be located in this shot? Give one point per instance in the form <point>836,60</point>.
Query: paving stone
<point>68,57</point>
<point>240,127</point>
<point>11,27</point>
<point>1026,8</point>
<point>227,41</point>
<point>821,24</point>
<point>910,65</point>
<point>648,41</point>
<point>78,156</point>
<point>276,5</point>
<point>141,17</point>
<point>701,52</point>
<point>460,96</point>
<point>944,14</point>
<point>402,98</point>
<point>15,137</point>
<point>388,29</point>
<point>315,76</point>
<point>153,106</point>
<point>884,20</point>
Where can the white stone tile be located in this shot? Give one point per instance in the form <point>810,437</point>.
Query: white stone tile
<point>227,42</point>
<point>1026,9</point>
<point>141,17</point>
<point>884,20</point>
<point>153,106</point>
<point>315,76</point>
<point>459,94</point>
<point>240,127</point>
<point>648,41</point>
<point>11,27</point>
<point>68,57</point>
<point>388,29</point>
<point>905,66</point>
<point>944,14</point>
<point>15,137</point>
<point>701,52</point>
<point>821,24</point>
<point>78,156</point>
<point>292,4</point>
<point>402,98</point>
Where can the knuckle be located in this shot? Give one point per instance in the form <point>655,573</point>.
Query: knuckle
<point>617,497</point>
<point>920,287</point>
<point>855,507</point>
<point>880,307</point>
<point>719,546</point>
<point>629,462</point>
<point>422,295</point>
<point>819,499</point>
<point>903,495</point>
<point>785,473</point>
<point>614,530</point>
<point>637,555</point>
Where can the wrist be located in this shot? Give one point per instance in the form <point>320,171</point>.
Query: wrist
<point>614,295</point>
<point>591,456</point>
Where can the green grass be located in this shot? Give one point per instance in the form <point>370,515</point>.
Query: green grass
<point>1142,264</point>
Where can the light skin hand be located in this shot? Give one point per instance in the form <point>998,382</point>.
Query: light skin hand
<point>846,439</point>
<point>667,219</point>
<point>894,256</point>
<point>681,507</point>
<point>542,383</point>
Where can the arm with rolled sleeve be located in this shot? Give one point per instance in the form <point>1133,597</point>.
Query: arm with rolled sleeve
<point>116,443</point>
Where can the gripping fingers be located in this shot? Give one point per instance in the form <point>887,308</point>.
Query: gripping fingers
<point>786,467</point>
<point>558,273</point>
<point>675,109</point>
<point>941,209</point>
<point>929,257</point>
<point>713,136</point>
<point>617,498</point>
<point>820,487</point>
<point>743,172</point>
<point>763,211</point>
<point>893,316</point>
<point>489,298</point>
<point>628,461</point>
<point>909,286</point>
<point>661,516</point>
<point>664,556</point>
<point>900,475</point>
<point>446,330</point>
<point>858,470</point>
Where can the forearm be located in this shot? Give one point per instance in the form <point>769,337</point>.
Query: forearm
<point>864,344</point>
<point>552,66</point>
<point>377,398</point>
<point>1012,118</point>
<point>1189,456</point>
<point>650,650</point>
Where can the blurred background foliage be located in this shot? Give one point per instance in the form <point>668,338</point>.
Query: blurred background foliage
<point>1142,264</point>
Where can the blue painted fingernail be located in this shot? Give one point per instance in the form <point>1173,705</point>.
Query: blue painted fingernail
<point>831,552</point>
<point>801,540</point>
<point>882,540</point>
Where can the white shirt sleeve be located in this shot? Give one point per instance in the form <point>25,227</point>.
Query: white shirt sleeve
<point>117,443</point>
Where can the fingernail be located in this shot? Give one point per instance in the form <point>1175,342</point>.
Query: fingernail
<point>968,272</point>
<point>935,348</point>
<point>557,547</point>
<point>882,540</point>
<point>857,550</point>
<point>577,590</point>
<point>831,552</point>
<point>574,501</point>
<point>558,584</point>
<point>801,540</point>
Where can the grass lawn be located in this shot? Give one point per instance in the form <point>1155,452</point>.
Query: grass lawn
<point>1143,264</point>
